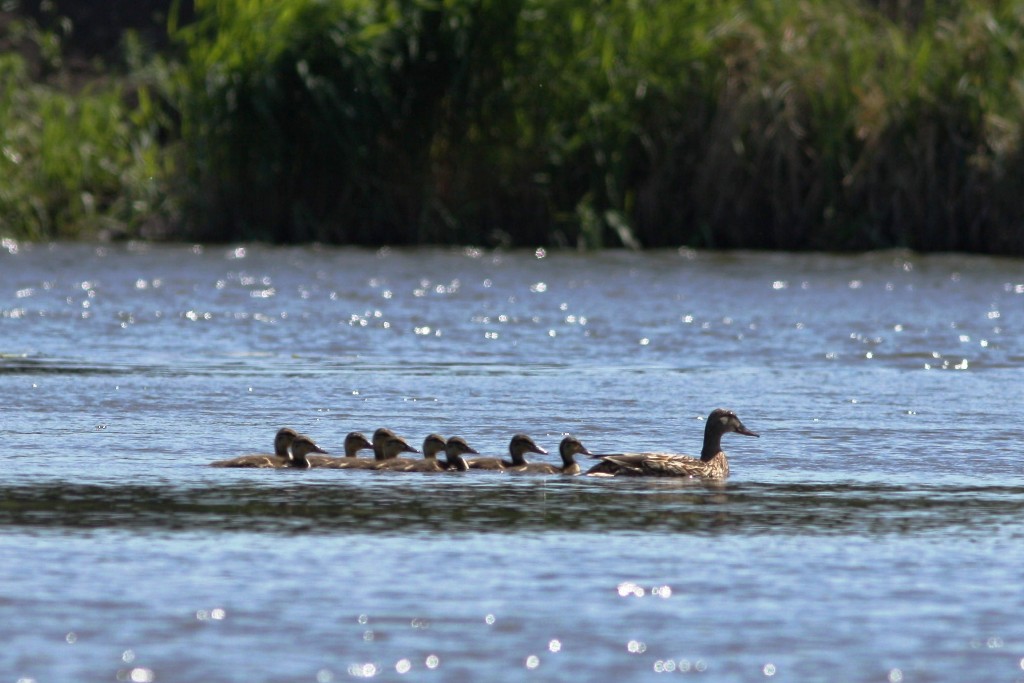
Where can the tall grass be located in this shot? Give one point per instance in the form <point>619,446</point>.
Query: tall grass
<point>77,158</point>
<point>758,124</point>
<point>842,124</point>
<point>317,121</point>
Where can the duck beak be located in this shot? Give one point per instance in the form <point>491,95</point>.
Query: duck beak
<point>584,451</point>
<point>538,450</point>
<point>740,429</point>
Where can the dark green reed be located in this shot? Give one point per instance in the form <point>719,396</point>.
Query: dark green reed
<point>80,157</point>
<point>846,124</point>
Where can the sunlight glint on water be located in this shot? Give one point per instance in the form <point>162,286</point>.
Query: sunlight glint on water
<point>870,534</point>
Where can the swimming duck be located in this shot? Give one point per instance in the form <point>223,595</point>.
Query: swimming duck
<point>432,445</point>
<point>380,437</point>
<point>354,442</point>
<point>390,448</point>
<point>712,463</point>
<point>568,449</point>
<point>282,442</point>
<point>454,449</point>
<point>301,447</point>
<point>518,447</point>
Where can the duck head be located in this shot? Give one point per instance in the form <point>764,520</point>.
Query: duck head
<point>355,442</point>
<point>379,437</point>
<point>454,450</point>
<point>724,421</point>
<point>720,421</point>
<point>520,445</point>
<point>432,445</point>
<point>302,446</point>
<point>283,441</point>
<point>393,446</point>
<point>569,448</point>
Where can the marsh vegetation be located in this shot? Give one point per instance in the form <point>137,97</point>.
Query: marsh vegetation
<point>847,124</point>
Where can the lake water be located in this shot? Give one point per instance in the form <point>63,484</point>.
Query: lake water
<point>875,531</point>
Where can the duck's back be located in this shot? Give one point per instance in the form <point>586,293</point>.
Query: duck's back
<point>661,465</point>
<point>265,460</point>
<point>539,468</point>
<point>396,464</point>
<point>345,463</point>
<point>411,465</point>
<point>487,464</point>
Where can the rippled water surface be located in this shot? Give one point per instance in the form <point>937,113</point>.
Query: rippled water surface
<point>875,531</point>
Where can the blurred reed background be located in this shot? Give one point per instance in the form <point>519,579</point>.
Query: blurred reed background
<point>765,124</point>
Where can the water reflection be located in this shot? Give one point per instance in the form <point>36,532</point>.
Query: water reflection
<point>125,370</point>
<point>407,504</point>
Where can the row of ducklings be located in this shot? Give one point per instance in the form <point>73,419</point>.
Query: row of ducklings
<point>298,450</point>
<point>292,449</point>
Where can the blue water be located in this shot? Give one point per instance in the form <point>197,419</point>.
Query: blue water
<point>872,533</point>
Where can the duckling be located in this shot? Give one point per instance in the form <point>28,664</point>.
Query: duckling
<point>432,445</point>
<point>454,449</point>
<point>301,447</point>
<point>354,442</point>
<point>380,437</point>
<point>282,442</point>
<point>712,464</point>
<point>568,449</point>
<point>518,447</point>
<point>390,448</point>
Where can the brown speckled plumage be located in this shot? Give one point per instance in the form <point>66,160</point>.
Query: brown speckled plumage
<point>712,464</point>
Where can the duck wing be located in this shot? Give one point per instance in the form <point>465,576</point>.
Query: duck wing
<point>534,468</point>
<point>254,460</point>
<point>426,465</point>
<point>651,465</point>
<point>345,463</point>
<point>409,465</point>
<point>485,464</point>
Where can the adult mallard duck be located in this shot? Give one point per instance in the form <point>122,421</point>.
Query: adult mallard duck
<point>712,463</point>
<point>282,442</point>
<point>432,445</point>
<point>518,447</point>
<point>568,449</point>
<point>354,442</point>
